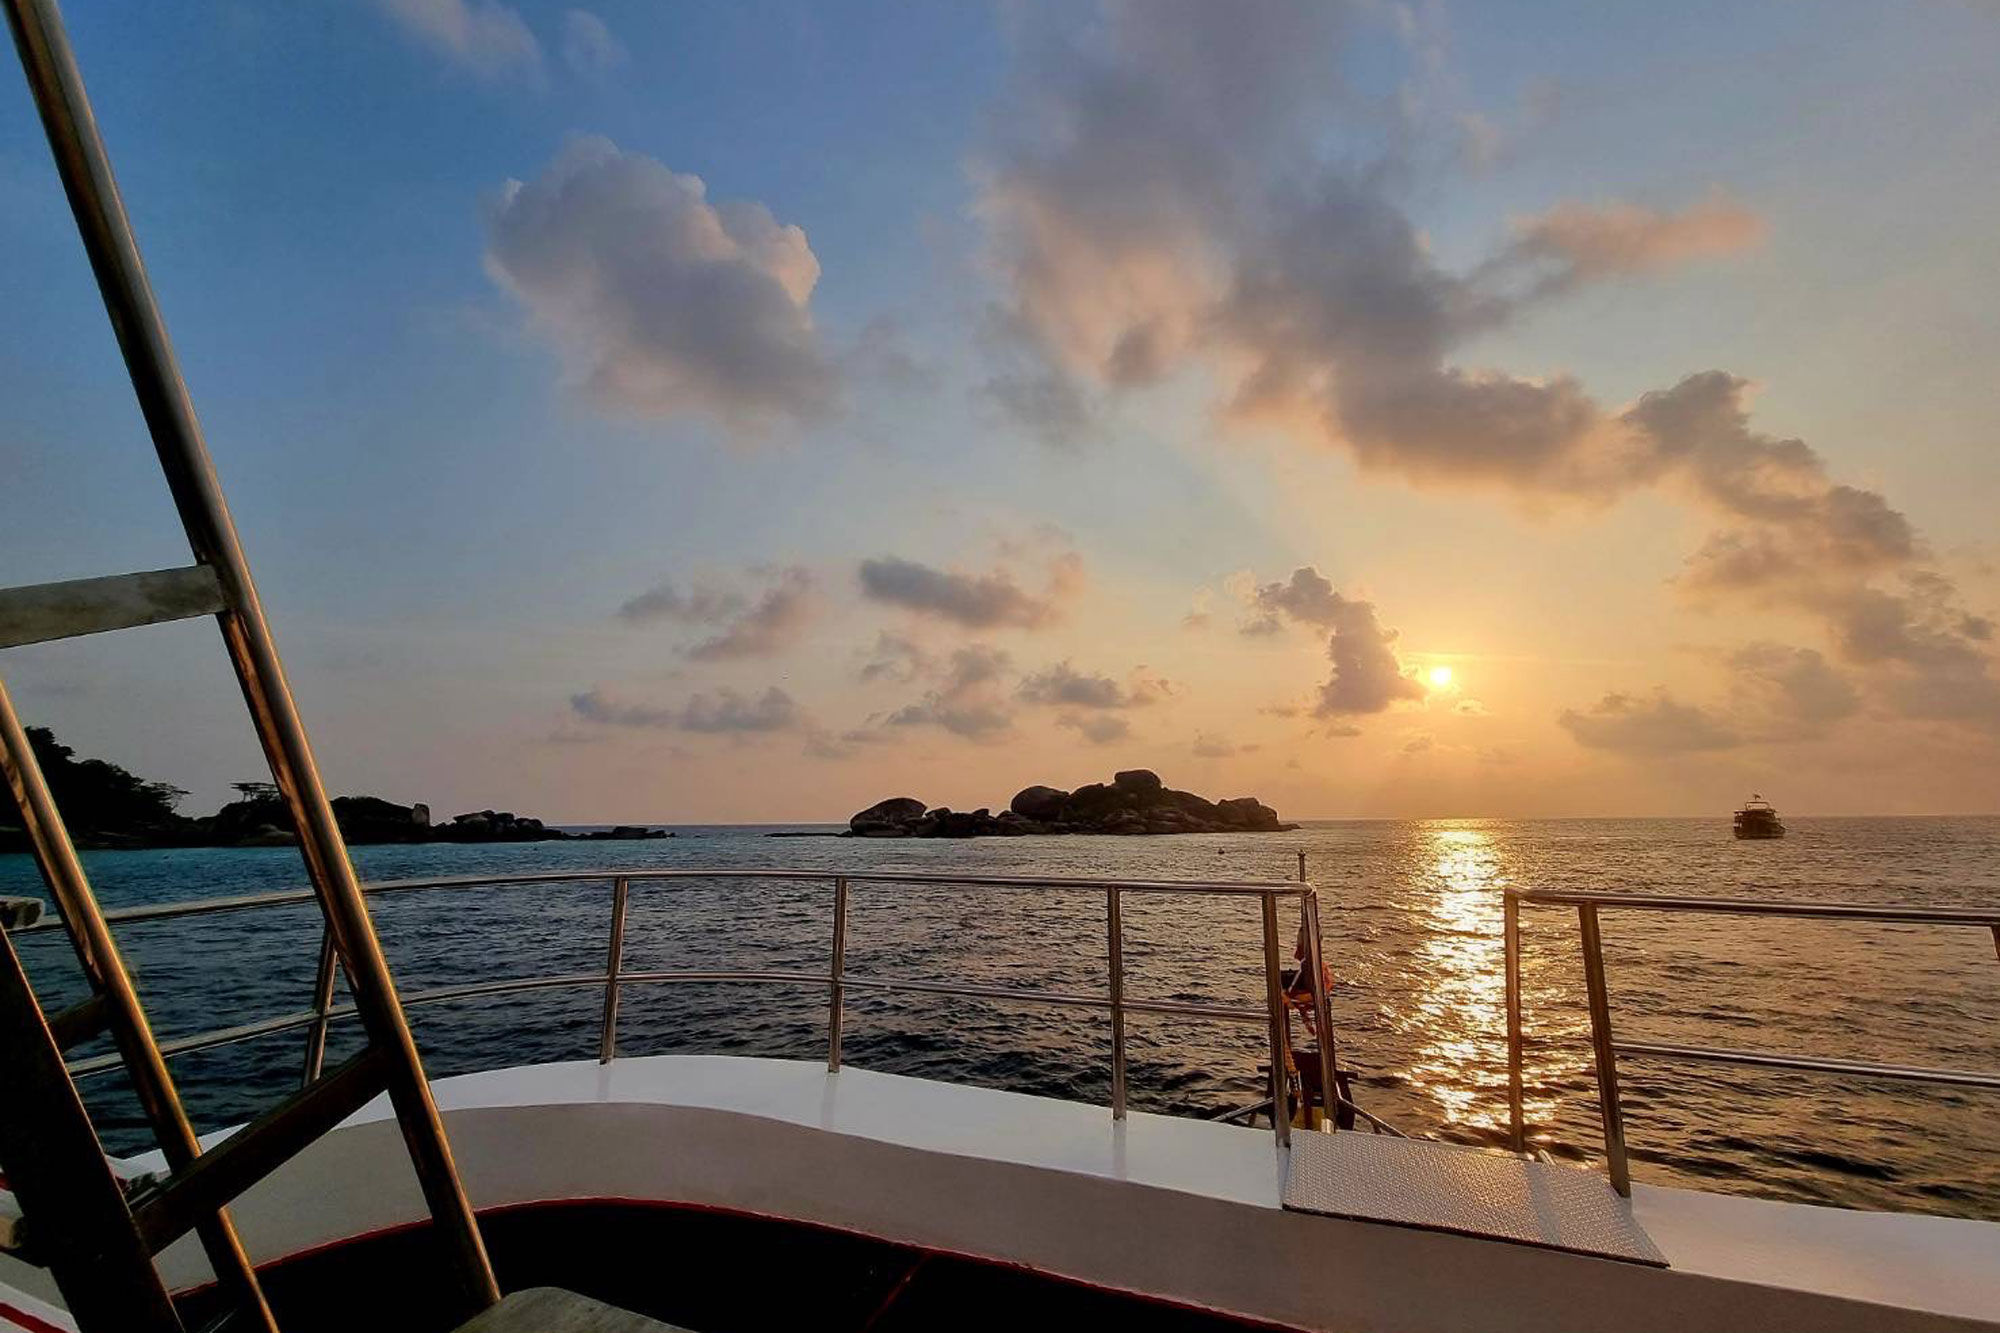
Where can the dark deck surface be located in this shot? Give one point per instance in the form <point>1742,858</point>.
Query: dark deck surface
<point>704,1271</point>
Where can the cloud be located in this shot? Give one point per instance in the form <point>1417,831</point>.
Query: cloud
<point>1307,596</point>
<point>1115,173</point>
<point>1573,243</point>
<point>660,302</point>
<point>1201,611</point>
<point>664,601</point>
<point>1927,656</point>
<point>1062,685</point>
<point>1048,404</point>
<point>1367,675</point>
<point>773,624</point>
<point>895,657</point>
<point>978,601</point>
<point>1776,693</point>
<point>1794,524</point>
<point>823,744</point>
<point>486,37</point>
<point>969,699</point>
<point>726,711</point>
<point>1784,692</point>
<point>1658,725</point>
<point>763,628</point>
<point>1163,196</point>
<point>880,353</point>
<point>1191,192</point>
<point>594,706</point>
<point>588,46</point>
<point>1218,747</point>
<point>1096,727</point>
<point>1802,542</point>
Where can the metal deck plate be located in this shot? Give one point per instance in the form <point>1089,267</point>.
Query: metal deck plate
<point>1445,1187</point>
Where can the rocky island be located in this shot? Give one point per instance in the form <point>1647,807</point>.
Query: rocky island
<point>1135,802</point>
<point>106,807</point>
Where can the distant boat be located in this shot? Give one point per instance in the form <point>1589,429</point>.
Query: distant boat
<point>1757,819</point>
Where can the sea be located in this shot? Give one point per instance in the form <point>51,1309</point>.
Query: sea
<point>1412,915</point>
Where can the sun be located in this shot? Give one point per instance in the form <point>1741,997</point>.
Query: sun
<point>1440,677</point>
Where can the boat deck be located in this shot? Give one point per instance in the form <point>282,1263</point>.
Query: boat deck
<point>721,1193</point>
<point>699,1269</point>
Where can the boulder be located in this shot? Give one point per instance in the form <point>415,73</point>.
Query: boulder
<point>1095,802</point>
<point>1139,780</point>
<point>892,818</point>
<point>1199,809</point>
<point>1038,803</point>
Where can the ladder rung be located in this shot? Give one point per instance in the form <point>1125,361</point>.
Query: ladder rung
<point>208,1183</point>
<point>80,1022</point>
<point>44,611</point>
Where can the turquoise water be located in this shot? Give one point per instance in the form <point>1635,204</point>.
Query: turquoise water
<point>1412,926</point>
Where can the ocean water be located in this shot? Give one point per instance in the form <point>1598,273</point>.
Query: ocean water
<point>1412,924</point>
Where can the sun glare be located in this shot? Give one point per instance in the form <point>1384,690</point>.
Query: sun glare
<point>1440,677</point>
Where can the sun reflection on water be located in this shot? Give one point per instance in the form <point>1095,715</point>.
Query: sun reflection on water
<point>1459,1016</point>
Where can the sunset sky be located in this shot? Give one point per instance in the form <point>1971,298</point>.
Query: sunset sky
<point>703,412</point>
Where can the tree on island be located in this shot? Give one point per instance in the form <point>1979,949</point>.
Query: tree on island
<point>106,807</point>
<point>95,795</point>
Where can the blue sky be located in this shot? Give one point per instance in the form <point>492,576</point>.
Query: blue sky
<point>446,516</point>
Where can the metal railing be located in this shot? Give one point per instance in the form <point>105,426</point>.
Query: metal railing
<point>1606,1049</point>
<point>837,980</point>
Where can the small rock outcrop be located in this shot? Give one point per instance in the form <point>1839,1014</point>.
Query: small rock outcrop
<point>623,833</point>
<point>1134,802</point>
<point>495,826</point>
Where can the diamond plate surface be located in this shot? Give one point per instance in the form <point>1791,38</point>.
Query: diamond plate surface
<point>1444,1187</point>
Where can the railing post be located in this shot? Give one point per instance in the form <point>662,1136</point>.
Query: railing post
<point>1606,1056</point>
<point>836,989</point>
<point>1510,917</point>
<point>322,1005</point>
<point>1329,1055</point>
<point>1274,998</point>
<point>1114,929</point>
<point>614,962</point>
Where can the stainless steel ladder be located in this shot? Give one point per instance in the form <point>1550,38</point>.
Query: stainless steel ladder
<point>95,1232</point>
